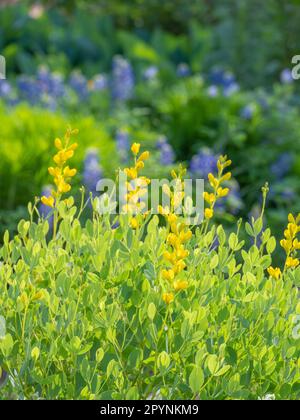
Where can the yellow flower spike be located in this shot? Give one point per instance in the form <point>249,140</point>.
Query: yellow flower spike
<point>48,201</point>
<point>135,148</point>
<point>173,174</point>
<point>180,285</point>
<point>172,218</point>
<point>168,298</point>
<point>274,272</point>
<point>208,213</point>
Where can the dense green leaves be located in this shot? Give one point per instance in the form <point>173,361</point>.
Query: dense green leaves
<point>82,316</point>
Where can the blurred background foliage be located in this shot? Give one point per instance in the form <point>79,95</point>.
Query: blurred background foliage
<point>188,79</point>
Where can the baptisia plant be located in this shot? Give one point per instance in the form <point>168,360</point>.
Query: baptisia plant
<point>150,309</point>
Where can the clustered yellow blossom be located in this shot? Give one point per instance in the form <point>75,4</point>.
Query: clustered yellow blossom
<point>216,184</point>
<point>178,236</point>
<point>61,173</point>
<point>136,188</point>
<point>290,244</point>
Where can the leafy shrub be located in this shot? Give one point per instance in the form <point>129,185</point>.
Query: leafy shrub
<point>89,314</point>
<point>26,140</point>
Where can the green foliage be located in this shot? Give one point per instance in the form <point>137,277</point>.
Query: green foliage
<point>82,315</point>
<point>26,142</point>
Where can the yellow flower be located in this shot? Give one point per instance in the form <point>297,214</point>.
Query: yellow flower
<point>168,298</point>
<point>168,274</point>
<point>208,213</point>
<point>135,148</point>
<point>58,143</point>
<point>48,201</point>
<point>134,223</point>
<point>274,272</point>
<point>69,173</point>
<point>213,181</point>
<point>180,285</point>
<point>143,156</point>
<point>222,192</point>
<point>292,262</point>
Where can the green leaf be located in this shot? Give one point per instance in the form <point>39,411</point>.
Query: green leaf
<point>212,363</point>
<point>223,370</point>
<point>196,379</point>
<point>163,360</point>
<point>2,327</point>
<point>271,245</point>
<point>151,311</point>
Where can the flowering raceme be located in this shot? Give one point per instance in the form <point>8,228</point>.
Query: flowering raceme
<point>291,245</point>
<point>216,184</point>
<point>177,237</point>
<point>136,188</point>
<point>61,173</point>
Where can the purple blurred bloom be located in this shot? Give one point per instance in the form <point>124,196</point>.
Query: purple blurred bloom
<point>5,89</point>
<point>167,155</point>
<point>213,91</point>
<point>99,82</point>
<point>247,112</point>
<point>150,73</point>
<point>282,165</point>
<point>92,172</point>
<point>122,140</point>
<point>226,80</point>
<point>203,163</point>
<point>286,77</point>
<point>183,70</point>
<point>122,79</point>
<point>79,84</point>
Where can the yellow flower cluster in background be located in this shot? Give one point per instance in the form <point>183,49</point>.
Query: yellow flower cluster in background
<point>291,245</point>
<point>137,186</point>
<point>216,184</point>
<point>178,236</point>
<point>61,173</point>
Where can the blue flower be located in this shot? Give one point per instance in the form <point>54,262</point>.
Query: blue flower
<point>286,77</point>
<point>79,84</point>
<point>99,82</point>
<point>122,79</point>
<point>28,89</point>
<point>167,155</point>
<point>248,112</point>
<point>5,89</point>
<point>226,80</point>
<point>122,140</point>
<point>92,172</point>
<point>203,163</point>
<point>150,73</point>
<point>282,166</point>
<point>50,83</point>
<point>213,91</point>
<point>183,70</point>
